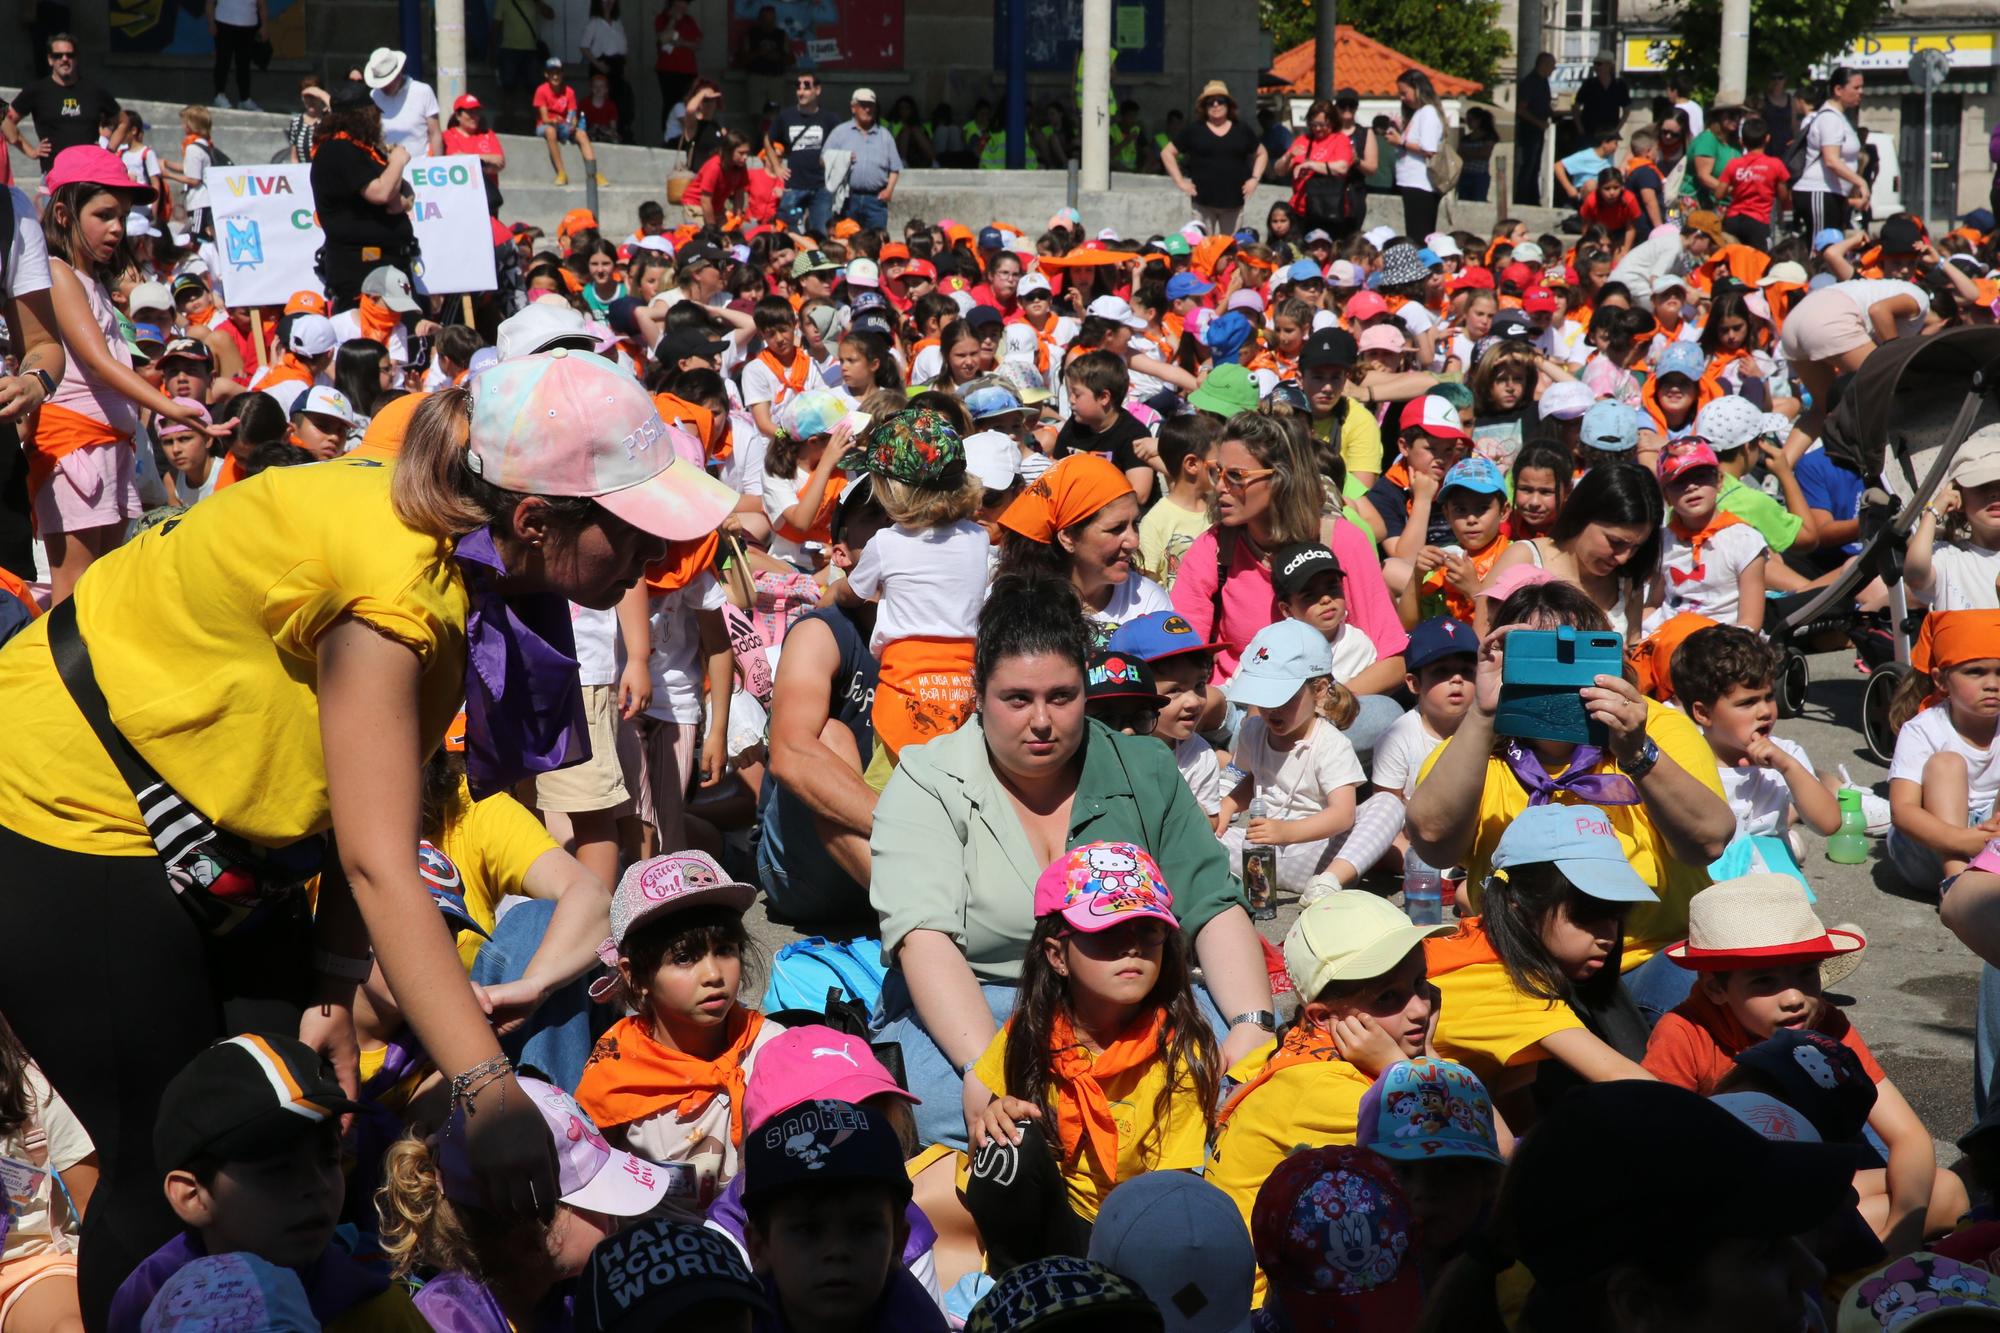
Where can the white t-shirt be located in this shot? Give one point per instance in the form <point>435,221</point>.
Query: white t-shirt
<point>1931,732</point>
<point>53,1138</point>
<point>236,13</point>
<point>195,163</point>
<point>596,644</point>
<point>1295,783</point>
<point>406,116</point>
<point>347,328</point>
<point>780,494</point>
<point>931,581</point>
<point>189,492</point>
<point>743,470</point>
<point>1353,653</point>
<point>1416,317</point>
<point>1760,796</point>
<point>27,249</point>
<point>1965,577</point>
<point>762,385</point>
<point>675,665</point>
<point>1400,753</point>
<point>1714,593</point>
<point>601,38</point>
<point>927,365</point>
<point>141,165</point>
<point>1136,596</point>
<point>1865,292</point>
<point>1425,131</point>
<point>1828,125</point>
<point>1202,772</point>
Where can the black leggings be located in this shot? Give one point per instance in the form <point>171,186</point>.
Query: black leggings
<point>233,43</point>
<point>1018,1198</point>
<point>1816,210</point>
<point>1420,211</point>
<point>17,533</point>
<point>112,989</point>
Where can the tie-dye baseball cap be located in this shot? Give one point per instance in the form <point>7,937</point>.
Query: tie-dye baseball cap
<point>571,423</point>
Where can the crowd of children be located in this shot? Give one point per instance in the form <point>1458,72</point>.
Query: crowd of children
<point>1305,500</point>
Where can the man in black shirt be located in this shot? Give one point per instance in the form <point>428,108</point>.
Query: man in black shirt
<point>1534,107</point>
<point>1602,101</point>
<point>792,154</point>
<point>1217,162</point>
<point>66,107</point>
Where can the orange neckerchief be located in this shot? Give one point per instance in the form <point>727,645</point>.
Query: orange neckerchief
<point>822,524</point>
<point>1456,602</point>
<point>630,1076</point>
<point>228,471</point>
<point>697,420</point>
<point>1711,379</point>
<point>917,348</point>
<point>381,159</point>
<point>11,583</point>
<point>1082,1108</point>
<point>287,369</point>
<point>1301,1045</point>
<point>378,321</point>
<point>1742,262</point>
<point>1452,953</point>
<point>682,564</point>
<point>793,377</point>
<point>1649,401</point>
<point>1716,523</point>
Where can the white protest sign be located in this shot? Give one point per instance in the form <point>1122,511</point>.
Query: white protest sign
<point>267,230</point>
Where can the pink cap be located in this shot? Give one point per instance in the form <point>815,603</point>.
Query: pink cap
<point>1366,305</point>
<point>1433,415</point>
<point>1104,884</point>
<point>590,1173</point>
<point>167,426</point>
<point>1382,338</point>
<point>673,883</point>
<point>1246,299</point>
<point>87,164</point>
<point>1683,456</point>
<point>1513,580</point>
<point>571,423</point>
<point>813,1064</point>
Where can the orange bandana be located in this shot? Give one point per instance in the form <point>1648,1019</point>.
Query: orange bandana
<point>1301,1045</point>
<point>682,563</point>
<point>792,377</point>
<point>1653,656</point>
<point>1068,493</point>
<point>1082,1108</point>
<point>924,690</point>
<point>1716,523</point>
<point>1711,379</point>
<point>1953,638</point>
<point>630,1076</point>
<point>287,369</point>
<point>1457,604</point>
<point>1649,401</point>
<point>378,321</point>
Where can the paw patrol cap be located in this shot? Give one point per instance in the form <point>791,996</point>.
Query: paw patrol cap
<point>1419,1110</point>
<point>1103,884</point>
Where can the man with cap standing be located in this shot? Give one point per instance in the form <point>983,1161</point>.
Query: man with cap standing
<point>1223,160</point>
<point>409,108</point>
<point>792,149</point>
<point>873,164</point>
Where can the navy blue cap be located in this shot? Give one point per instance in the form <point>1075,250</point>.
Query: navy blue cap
<point>618,316</point>
<point>991,239</point>
<point>1821,1077</point>
<point>1440,636</point>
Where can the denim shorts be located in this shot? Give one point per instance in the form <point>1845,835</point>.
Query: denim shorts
<point>1917,864</point>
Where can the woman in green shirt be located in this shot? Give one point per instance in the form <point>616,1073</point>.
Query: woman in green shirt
<point>970,820</point>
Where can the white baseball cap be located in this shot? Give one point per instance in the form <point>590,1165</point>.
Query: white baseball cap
<point>993,458</point>
<point>1566,400</point>
<point>311,335</point>
<point>863,95</point>
<point>285,394</point>
<point>659,243</point>
<point>138,224</point>
<point>323,400</point>
<point>1032,282</point>
<point>1441,245</point>
<point>540,327</point>
<point>1379,236</point>
<point>1527,252</point>
<point>862,273</point>
<point>1667,282</point>
<point>1116,309</point>
<point>150,296</point>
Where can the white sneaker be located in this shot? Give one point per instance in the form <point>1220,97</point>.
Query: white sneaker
<point>1874,808</point>
<point>222,102</point>
<point>248,104</point>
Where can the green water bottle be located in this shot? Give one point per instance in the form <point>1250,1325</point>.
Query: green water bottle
<point>1849,847</point>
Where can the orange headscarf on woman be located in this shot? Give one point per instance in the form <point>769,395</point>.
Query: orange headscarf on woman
<point>1064,496</point>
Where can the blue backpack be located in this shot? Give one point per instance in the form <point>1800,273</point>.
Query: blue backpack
<point>806,973</point>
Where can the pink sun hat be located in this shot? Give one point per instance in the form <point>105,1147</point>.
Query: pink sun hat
<point>815,1064</point>
<point>571,423</point>
<point>1103,884</point>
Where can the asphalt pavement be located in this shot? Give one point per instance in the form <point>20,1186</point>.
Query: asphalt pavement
<point>1914,995</point>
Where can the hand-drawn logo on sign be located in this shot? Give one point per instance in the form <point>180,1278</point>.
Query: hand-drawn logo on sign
<point>245,242</point>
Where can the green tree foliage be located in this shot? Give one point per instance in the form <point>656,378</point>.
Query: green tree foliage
<point>1786,36</point>
<point>1460,37</point>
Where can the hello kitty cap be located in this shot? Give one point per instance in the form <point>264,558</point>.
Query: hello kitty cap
<point>1422,1109</point>
<point>1103,884</point>
<point>591,1174</point>
<point>673,883</point>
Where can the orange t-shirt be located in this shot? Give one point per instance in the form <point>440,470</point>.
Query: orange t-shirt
<point>1695,1045</point>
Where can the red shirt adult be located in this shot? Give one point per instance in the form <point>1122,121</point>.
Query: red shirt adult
<point>1335,148</point>
<point>687,41</point>
<point>554,104</point>
<point>1752,181</point>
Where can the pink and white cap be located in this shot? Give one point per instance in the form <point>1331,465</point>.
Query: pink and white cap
<point>1103,884</point>
<point>571,423</point>
<point>590,1173</point>
<point>815,1063</point>
<point>673,883</point>
<point>168,426</point>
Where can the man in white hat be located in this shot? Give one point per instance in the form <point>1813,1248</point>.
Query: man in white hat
<point>409,108</point>
<point>873,164</point>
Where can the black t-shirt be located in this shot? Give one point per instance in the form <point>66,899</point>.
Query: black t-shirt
<point>1601,106</point>
<point>1218,164</point>
<point>1536,99</point>
<point>802,134</point>
<point>67,116</point>
<point>1113,445</point>
<point>766,53</point>
<point>341,170</point>
<point>702,139</point>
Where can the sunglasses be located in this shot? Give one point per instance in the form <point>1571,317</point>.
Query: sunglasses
<point>1139,719</point>
<point>1238,479</point>
<point>62,55</point>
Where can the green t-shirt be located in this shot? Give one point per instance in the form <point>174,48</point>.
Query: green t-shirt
<point>1707,145</point>
<point>1779,525</point>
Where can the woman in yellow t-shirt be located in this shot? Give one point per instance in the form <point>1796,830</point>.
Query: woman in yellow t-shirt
<point>283,657</point>
<point>1656,779</point>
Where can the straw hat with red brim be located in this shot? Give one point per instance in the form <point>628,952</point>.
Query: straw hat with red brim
<point>1760,920</point>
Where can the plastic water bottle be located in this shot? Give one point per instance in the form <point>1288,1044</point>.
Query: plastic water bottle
<point>1423,891</point>
<point>1849,847</point>
<point>1260,869</point>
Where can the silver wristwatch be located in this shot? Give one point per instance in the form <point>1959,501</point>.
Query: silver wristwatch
<point>1262,1018</point>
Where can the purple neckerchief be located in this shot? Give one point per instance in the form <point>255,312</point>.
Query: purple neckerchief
<point>523,698</point>
<point>1577,779</point>
<point>460,1303</point>
<point>335,1282</point>
<point>727,1212</point>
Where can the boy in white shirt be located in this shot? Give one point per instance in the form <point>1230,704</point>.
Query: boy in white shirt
<point>1311,588</point>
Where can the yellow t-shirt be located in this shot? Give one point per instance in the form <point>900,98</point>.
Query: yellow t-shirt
<point>1650,926</point>
<point>1315,1104</point>
<point>1360,438</point>
<point>1179,1144</point>
<point>204,635</point>
<point>492,842</point>
<point>1487,1024</point>
<point>1165,534</point>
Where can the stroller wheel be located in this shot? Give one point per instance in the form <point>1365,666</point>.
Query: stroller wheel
<point>1875,697</point>
<point>1794,674</point>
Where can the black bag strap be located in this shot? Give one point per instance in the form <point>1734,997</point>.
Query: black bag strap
<point>6,237</point>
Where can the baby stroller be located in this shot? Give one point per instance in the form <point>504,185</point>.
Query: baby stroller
<point>1899,424</point>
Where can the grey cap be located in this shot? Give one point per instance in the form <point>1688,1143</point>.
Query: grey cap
<point>1184,1243</point>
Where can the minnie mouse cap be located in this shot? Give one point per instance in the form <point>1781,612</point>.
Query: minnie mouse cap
<point>1334,1234</point>
<point>1103,884</point>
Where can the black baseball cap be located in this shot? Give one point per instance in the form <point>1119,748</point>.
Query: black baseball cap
<point>980,316</point>
<point>1294,566</point>
<point>1121,676</point>
<point>245,1098</point>
<point>188,349</point>
<point>1900,235</point>
<point>1329,347</point>
<point>1821,1077</point>
<point>642,1278</point>
<point>678,344</point>
<point>1511,324</point>
<point>698,256</point>
<point>821,1143</point>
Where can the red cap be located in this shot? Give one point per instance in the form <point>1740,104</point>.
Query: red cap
<point>1366,305</point>
<point>1519,276</point>
<point>921,268</point>
<point>1537,300</point>
<point>1474,278</point>
<point>465,102</point>
<point>1684,456</point>
<point>1434,416</point>
<point>1333,1232</point>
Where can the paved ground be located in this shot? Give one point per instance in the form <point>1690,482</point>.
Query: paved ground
<point>1913,997</point>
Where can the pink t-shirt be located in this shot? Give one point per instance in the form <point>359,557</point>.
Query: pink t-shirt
<point>1248,603</point>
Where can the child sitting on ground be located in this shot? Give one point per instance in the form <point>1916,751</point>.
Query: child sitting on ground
<point>1945,772</point>
<point>780,372</point>
<point>1954,557</point>
<point>1106,1012</point>
<point>248,1136</point>
<point>1182,666</point>
<point>1756,948</point>
<point>1358,966</point>
<point>1542,472</point>
<point>1097,383</point>
<point>484,1271</point>
<point>1311,588</point>
<point>664,1273</point>
<point>1712,562</point>
<point>667,1083</point>
<point>1445,579</point>
<point>802,477</point>
<point>1295,760</point>
<point>1187,445</point>
<point>825,1196</point>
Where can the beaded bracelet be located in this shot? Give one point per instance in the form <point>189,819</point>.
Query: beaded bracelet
<point>468,1085</point>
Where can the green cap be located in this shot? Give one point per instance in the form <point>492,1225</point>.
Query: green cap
<point>1177,246</point>
<point>1227,390</point>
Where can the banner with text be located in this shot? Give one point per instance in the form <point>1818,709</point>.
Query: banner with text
<point>267,231</point>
